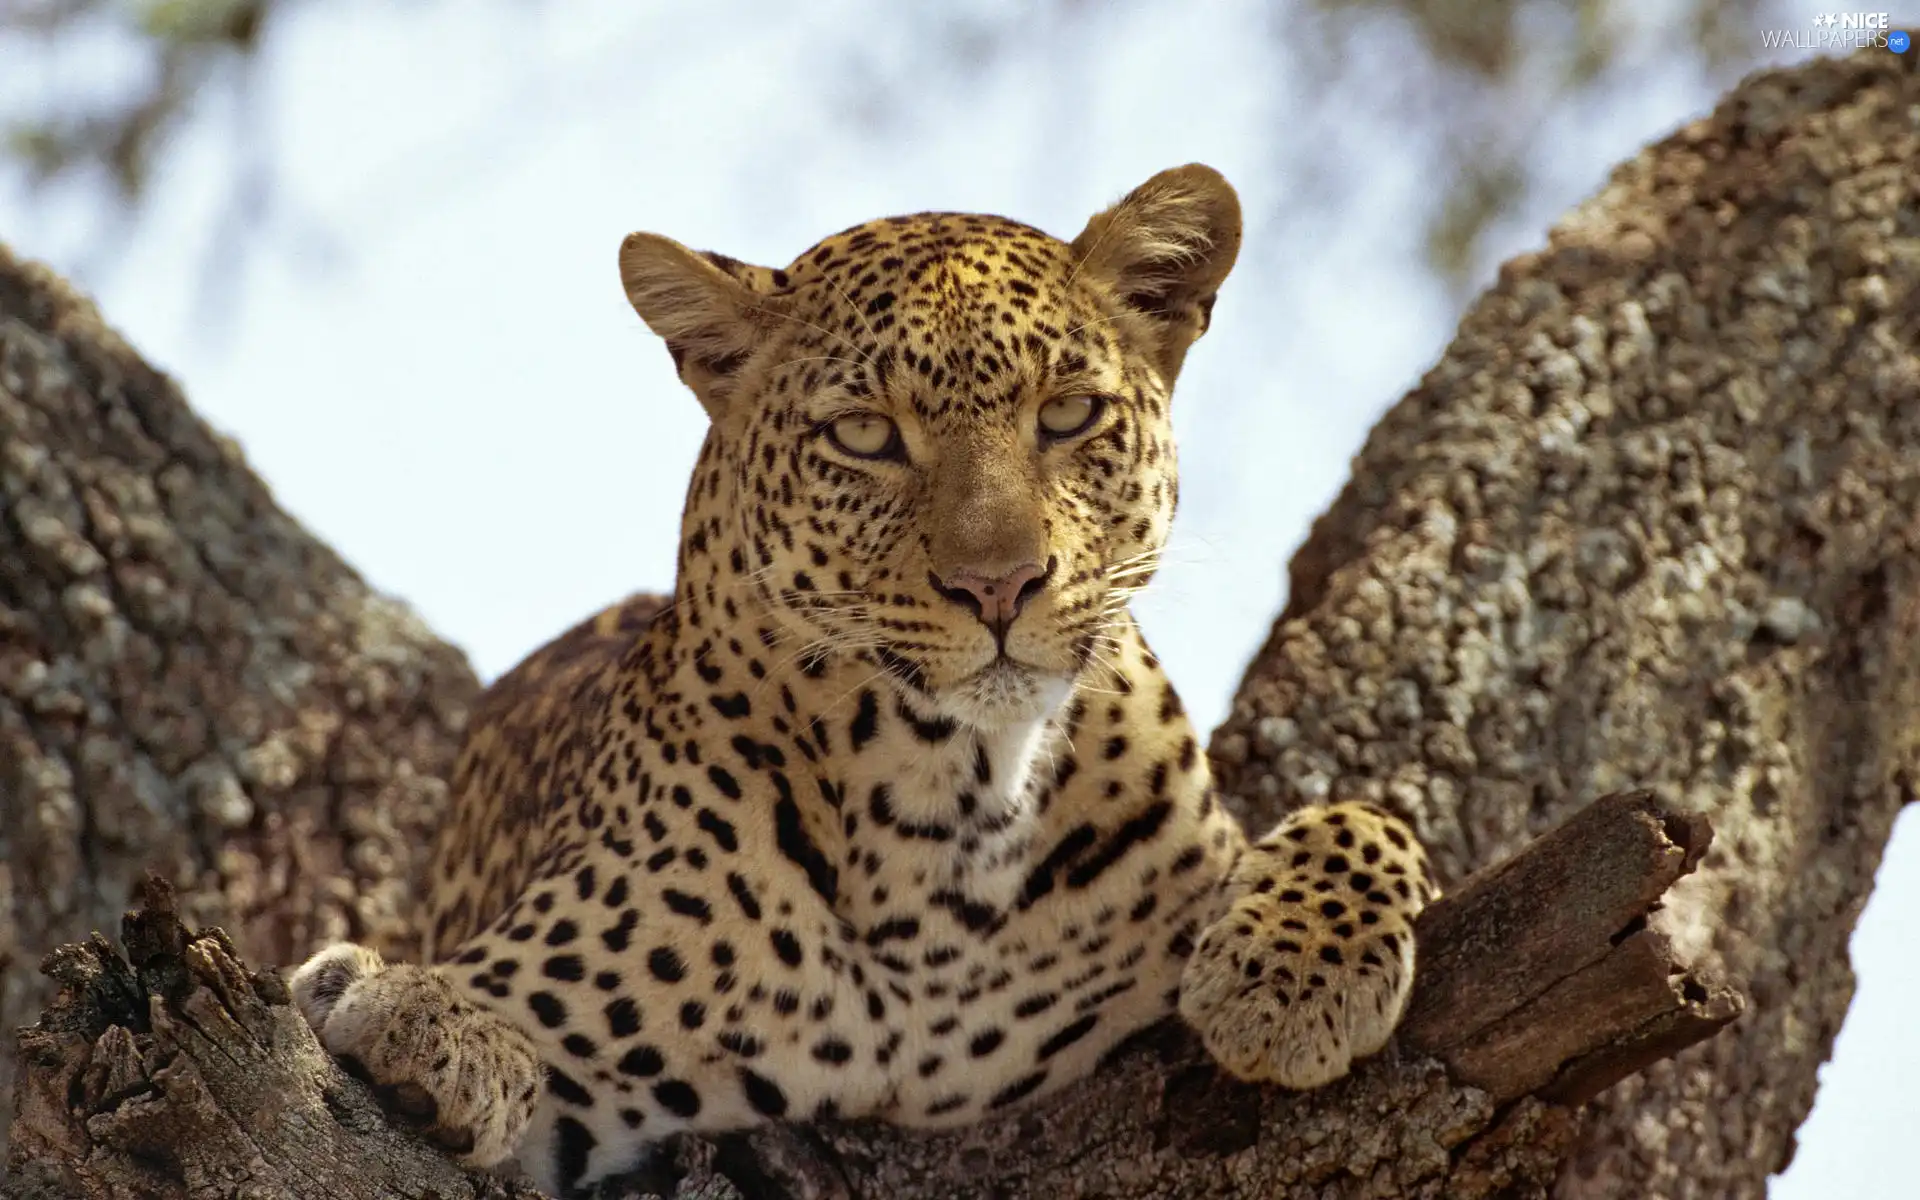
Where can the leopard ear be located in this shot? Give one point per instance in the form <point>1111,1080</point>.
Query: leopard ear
<point>1163,251</point>
<point>712,311</point>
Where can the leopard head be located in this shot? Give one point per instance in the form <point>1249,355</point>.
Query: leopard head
<point>942,443</point>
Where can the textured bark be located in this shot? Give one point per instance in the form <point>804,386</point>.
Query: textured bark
<point>1652,520</point>
<point>189,682</point>
<point>213,1087</point>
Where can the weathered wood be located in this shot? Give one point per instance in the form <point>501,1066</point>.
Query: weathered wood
<point>1541,967</point>
<point>174,1071</point>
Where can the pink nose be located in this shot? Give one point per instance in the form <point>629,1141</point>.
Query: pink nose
<point>999,599</point>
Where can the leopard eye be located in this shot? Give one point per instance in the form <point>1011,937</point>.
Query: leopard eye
<point>866,435</point>
<point>1069,416</point>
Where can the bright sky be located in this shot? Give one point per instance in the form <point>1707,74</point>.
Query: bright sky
<point>428,355</point>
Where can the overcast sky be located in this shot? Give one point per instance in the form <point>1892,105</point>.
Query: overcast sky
<point>425,350</point>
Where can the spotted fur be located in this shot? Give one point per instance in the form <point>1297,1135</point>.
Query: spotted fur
<point>843,830</point>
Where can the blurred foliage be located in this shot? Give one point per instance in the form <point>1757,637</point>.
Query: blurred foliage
<point>173,48</point>
<point>1492,70</point>
<point>1469,84</point>
<point>1476,94</point>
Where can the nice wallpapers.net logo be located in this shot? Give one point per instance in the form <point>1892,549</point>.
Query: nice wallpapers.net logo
<point>1839,32</point>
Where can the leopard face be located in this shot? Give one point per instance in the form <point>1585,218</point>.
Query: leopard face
<point>943,442</point>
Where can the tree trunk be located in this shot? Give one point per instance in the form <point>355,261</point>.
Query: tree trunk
<point>188,681</point>
<point>1651,521</point>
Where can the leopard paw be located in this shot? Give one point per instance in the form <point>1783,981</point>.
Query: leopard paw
<point>462,1076</point>
<point>1311,966</point>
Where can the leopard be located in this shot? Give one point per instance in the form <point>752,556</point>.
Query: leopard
<point>890,811</point>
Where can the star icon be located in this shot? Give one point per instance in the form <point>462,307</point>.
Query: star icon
<point>1823,19</point>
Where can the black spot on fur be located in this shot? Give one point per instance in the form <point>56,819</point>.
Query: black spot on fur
<point>573,1146</point>
<point>790,834</point>
<point>866,721</point>
<point>1040,880</point>
<point>976,916</point>
<point>720,829</point>
<point>687,906</point>
<point>565,1089</point>
<point>623,1018</point>
<point>1067,1036</point>
<point>678,1098</point>
<point>743,895</point>
<point>1134,831</point>
<point>1018,1090</point>
<point>642,1062</point>
<point>617,937</point>
<point>763,1094</point>
<point>666,965</point>
<point>933,731</point>
<point>736,1042</point>
<point>786,946</point>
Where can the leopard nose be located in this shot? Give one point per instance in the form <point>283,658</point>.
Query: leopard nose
<point>995,599</point>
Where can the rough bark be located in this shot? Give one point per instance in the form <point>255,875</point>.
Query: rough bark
<point>1652,520</point>
<point>189,682</point>
<point>176,1072</point>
